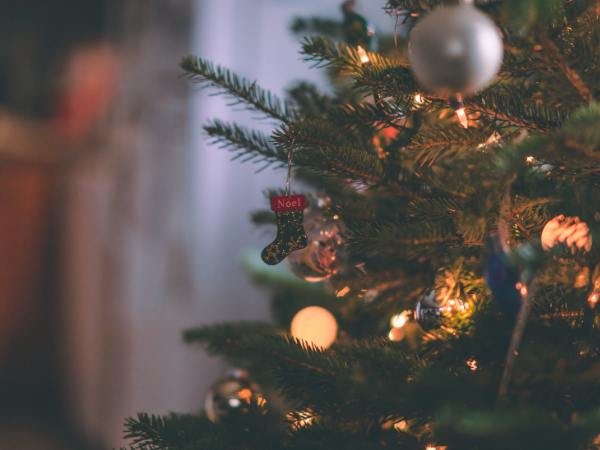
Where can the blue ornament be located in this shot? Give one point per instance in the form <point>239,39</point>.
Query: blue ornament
<point>503,280</point>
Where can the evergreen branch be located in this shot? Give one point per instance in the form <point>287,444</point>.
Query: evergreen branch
<point>359,208</point>
<point>249,340</point>
<point>391,81</point>
<point>309,101</point>
<point>408,240</point>
<point>298,355</point>
<point>323,152</point>
<point>575,142</point>
<point>256,99</point>
<point>252,144</point>
<point>413,6</point>
<point>435,208</point>
<point>552,50</point>
<point>324,148</point>
<point>221,333</point>
<point>174,431</point>
<point>508,106</point>
<point>338,56</point>
<point>368,118</point>
<point>312,134</point>
<point>441,142</point>
<point>355,165</point>
<point>419,7</point>
<point>442,187</point>
<point>384,357</point>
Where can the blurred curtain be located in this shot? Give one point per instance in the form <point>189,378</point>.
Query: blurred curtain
<point>127,283</point>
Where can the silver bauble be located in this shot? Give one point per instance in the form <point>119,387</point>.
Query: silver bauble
<point>455,50</point>
<point>429,313</point>
<point>321,257</point>
<point>231,396</point>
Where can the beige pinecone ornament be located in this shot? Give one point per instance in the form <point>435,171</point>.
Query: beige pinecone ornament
<point>569,230</point>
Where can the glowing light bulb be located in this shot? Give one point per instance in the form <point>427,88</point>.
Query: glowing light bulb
<point>524,290</point>
<point>245,394</point>
<point>396,334</point>
<point>400,425</point>
<point>530,159</point>
<point>593,299</point>
<point>302,419</point>
<point>462,117</point>
<point>315,325</point>
<point>418,98</point>
<point>364,58</point>
<point>472,364</point>
<point>398,320</point>
<point>234,402</point>
<point>343,292</point>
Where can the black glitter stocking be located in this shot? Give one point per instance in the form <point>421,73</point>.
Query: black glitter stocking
<point>290,236</point>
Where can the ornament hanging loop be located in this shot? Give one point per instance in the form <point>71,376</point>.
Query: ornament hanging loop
<point>289,174</point>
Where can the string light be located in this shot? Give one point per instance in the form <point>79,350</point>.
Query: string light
<point>494,139</point>
<point>396,334</point>
<point>521,288</point>
<point>530,159</point>
<point>364,58</point>
<point>399,319</point>
<point>343,292</point>
<point>593,299</point>
<point>245,394</point>
<point>472,364</point>
<point>302,419</point>
<point>462,117</point>
<point>459,109</point>
<point>418,99</point>
<point>401,425</point>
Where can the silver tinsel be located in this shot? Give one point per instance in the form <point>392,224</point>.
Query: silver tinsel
<point>455,50</point>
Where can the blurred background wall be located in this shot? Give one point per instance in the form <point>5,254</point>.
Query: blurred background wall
<point>119,224</point>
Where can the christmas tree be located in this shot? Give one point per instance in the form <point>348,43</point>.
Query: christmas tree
<point>451,241</point>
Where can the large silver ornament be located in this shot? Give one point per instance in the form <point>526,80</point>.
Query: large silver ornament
<point>455,50</point>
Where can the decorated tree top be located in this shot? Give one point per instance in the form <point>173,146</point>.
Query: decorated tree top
<point>465,296</point>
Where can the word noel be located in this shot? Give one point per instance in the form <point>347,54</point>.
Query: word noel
<point>285,203</point>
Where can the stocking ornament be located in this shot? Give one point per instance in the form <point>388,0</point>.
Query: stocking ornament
<point>289,210</point>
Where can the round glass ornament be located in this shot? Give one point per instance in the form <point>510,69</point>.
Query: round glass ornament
<point>455,50</point>
<point>429,313</point>
<point>321,257</point>
<point>231,396</point>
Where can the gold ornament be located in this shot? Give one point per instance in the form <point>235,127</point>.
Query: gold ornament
<point>569,230</point>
